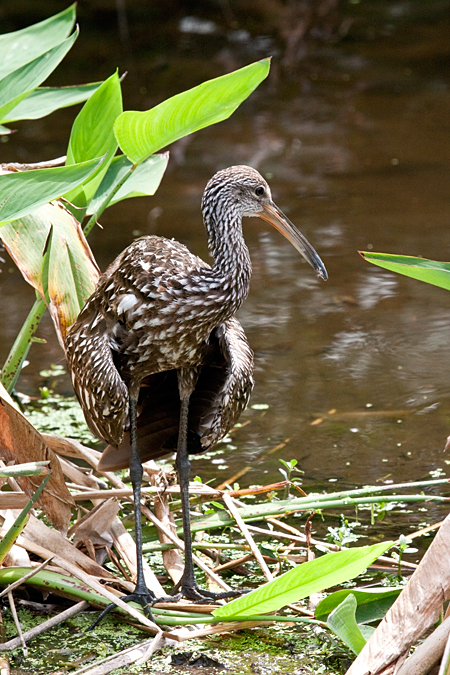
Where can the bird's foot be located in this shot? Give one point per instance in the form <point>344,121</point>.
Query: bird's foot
<point>144,598</point>
<point>190,590</point>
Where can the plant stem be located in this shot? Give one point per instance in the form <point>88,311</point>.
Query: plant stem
<point>248,514</point>
<point>95,216</point>
<point>19,350</point>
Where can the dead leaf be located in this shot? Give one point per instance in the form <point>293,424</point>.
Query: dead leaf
<point>417,608</point>
<point>48,542</point>
<point>51,251</point>
<point>21,442</point>
<point>95,525</point>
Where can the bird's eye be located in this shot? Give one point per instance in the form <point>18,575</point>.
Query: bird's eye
<point>259,191</point>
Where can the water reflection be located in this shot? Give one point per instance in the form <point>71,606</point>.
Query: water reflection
<point>356,151</point>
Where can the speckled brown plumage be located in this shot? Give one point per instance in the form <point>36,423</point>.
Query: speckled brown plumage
<point>159,308</point>
<point>159,337</point>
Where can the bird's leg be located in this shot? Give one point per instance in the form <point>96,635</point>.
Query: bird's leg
<point>141,594</point>
<point>187,585</point>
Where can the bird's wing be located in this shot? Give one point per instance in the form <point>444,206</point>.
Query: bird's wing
<point>225,383</point>
<point>100,390</point>
<point>222,392</point>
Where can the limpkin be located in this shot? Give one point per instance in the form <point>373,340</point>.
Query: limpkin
<point>158,360</point>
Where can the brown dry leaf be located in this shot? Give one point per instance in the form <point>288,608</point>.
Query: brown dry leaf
<point>21,442</point>
<point>54,542</point>
<point>95,525</point>
<point>416,609</point>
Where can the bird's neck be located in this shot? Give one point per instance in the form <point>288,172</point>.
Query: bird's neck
<point>231,269</point>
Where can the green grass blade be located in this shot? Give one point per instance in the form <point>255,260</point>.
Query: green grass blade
<point>22,46</point>
<point>17,85</point>
<point>92,136</point>
<point>140,134</point>
<point>45,100</point>
<point>343,623</point>
<point>310,577</point>
<point>21,520</point>
<point>25,191</point>
<point>429,271</point>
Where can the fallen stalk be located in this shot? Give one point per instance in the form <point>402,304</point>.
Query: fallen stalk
<point>222,519</point>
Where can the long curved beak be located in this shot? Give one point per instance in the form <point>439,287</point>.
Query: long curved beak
<point>273,215</point>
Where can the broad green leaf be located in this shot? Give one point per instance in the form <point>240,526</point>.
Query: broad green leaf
<point>22,46</point>
<point>92,136</point>
<point>140,134</point>
<point>373,603</point>
<point>144,180</point>
<point>11,536</point>
<point>53,256</point>
<point>4,131</point>
<point>17,85</point>
<point>430,271</point>
<point>310,577</point>
<point>45,100</point>
<point>22,192</point>
<point>342,622</point>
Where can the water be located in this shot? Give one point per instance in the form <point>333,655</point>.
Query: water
<point>355,372</point>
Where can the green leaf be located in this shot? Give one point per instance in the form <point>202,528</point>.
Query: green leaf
<point>45,100</point>
<point>144,180</point>
<point>17,85</point>
<point>310,577</point>
<point>429,271</point>
<point>53,256</point>
<point>140,134</point>
<point>22,46</point>
<point>22,192</point>
<point>21,520</point>
<point>342,622</point>
<point>92,136</point>
<point>373,603</point>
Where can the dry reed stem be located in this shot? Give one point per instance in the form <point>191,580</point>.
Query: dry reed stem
<point>428,653</point>
<point>123,658</point>
<point>182,634</point>
<point>17,624</point>
<point>248,537</point>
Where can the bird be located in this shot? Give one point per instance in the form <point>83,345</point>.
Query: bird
<point>158,360</point>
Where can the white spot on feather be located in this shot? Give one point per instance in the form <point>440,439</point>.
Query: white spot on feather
<point>126,303</point>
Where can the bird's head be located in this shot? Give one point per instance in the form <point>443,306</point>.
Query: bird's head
<point>245,190</point>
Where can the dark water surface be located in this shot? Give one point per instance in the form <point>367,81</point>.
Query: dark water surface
<point>355,371</point>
